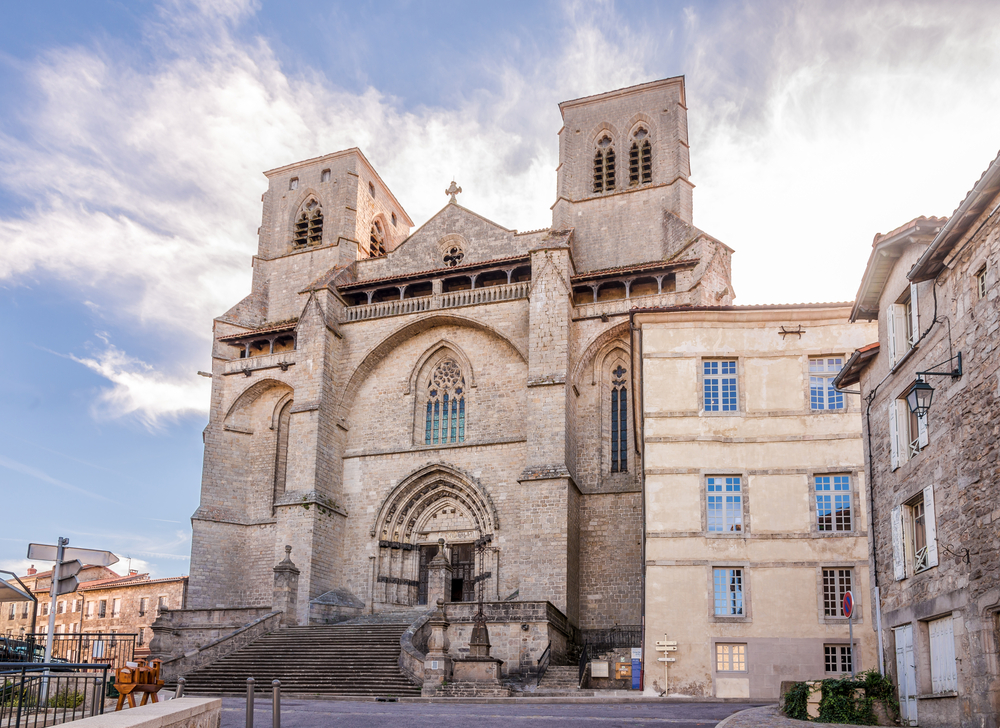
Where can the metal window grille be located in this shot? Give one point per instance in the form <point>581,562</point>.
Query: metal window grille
<point>725,504</point>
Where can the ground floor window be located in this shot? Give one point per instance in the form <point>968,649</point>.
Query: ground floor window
<point>731,658</point>
<point>838,658</point>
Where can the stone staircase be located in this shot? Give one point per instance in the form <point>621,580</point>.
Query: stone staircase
<point>355,658</point>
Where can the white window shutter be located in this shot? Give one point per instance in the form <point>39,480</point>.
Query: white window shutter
<point>914,317</point>
<point>898,563</point>
<point>930,526</point>
<point>922,437</point>
<point>894,434</point>
<point>899,326</point>
<point>890,332</point>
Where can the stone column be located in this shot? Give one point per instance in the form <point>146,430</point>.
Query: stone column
<point>286,589</point>
<point>439,576</point>
<point>437,663</point>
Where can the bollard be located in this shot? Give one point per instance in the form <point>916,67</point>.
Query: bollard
<point>179,693</point>
<point>276,704</point>
<point>250,682</point>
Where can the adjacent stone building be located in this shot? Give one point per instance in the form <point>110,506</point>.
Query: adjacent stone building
<point>755,516</point>
<point>381,388</point>
<point>104,603</point>
<point>932,286</point>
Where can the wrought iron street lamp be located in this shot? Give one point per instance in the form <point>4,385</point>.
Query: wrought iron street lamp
<point>918,399</point>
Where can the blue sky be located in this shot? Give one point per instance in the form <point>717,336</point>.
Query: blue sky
<point>133,137</point>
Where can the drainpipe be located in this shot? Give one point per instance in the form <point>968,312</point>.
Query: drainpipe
<point>640,448</point>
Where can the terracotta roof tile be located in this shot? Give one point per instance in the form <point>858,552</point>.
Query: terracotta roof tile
<point>879,237</point>
<point>457,270</point>
<point>287,324</point>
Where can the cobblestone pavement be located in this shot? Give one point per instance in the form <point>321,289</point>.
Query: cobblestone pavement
<point>334,714</point>
<point>769,717</point>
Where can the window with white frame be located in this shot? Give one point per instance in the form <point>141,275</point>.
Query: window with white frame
<point>116,608</point>
<point>833,502</point>
<point>45,609</point>
<point>11,615</point>
<point>822,395</point>
<point>719,382</point>
<point>914,535</point>
<point>142,606</point>
<point>728,588</point>
<point>944,668</point>
<point>902,325</point>
<point>102,608</point>
<point>90,609</point>
<point>731,658</point>
<point>24,610</point>
<point>836,583</point>
<point>981,283</point>
<point>724,504</point>
<point>908,434</point>
<point>61,608</point>
<point>837,658</point>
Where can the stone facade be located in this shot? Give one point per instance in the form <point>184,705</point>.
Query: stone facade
<point>932,286</point>
<point>745,561</point>
<point>458,386</point>
<point>104,603</point>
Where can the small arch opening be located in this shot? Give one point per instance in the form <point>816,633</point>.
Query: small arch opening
<point>419,290</point>
<point>582,295</point>
<point>611,291</point>
<point>643,287</point>
<point>458,283</point>
<point>357,299</point>
<point>385,294</point>
<point>376,240</point>
<point>521,274</point>
<point>260,347</point>
<point>491,278</point>
<point>669,283</point>
<point>284,343</point>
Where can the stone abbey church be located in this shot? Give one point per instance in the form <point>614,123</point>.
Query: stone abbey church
<point>384,387</point>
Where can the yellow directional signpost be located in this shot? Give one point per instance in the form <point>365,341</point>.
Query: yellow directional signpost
<point>666,645</point>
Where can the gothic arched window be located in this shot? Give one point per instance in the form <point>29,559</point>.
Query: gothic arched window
<point>604,165</point>
<point>376,247</point>
<point>281,456</point>
<point>619,421</point>
<point>309,224</point>
<point>640,159</point>
<point>445,405</point>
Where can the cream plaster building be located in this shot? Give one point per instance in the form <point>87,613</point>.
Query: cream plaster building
<point>755,508</point>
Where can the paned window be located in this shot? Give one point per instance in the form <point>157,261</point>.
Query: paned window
<point>376,241</point>
<point>45,609</point>
<point>604,165</point>
<point>102,608</point>
<point>918,529</point>
<point>619,421</point>
<point>309,224</point>
<point>731,658</point>
<point>11,615</point>
<point>61,608</point>
<point>822,395</point>
<point>728,584</point>
<point>24,610</point>
<point>833,502</point>
<point>836,583</point>
<point>640,159</point>
<point>981,283</point>
<point>116,608</point>
<point>838,658</point>
<point>445,405</point>
<point>142,607</point>
<point>720,386</point>
<point>90,610</point>
<point>725,504</point>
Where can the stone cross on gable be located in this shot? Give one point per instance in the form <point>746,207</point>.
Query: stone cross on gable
<point>453,190</point>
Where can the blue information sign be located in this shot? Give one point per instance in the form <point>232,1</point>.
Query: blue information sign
<point>636,674</point>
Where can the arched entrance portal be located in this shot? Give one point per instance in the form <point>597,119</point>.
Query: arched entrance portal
<point>436,502</point>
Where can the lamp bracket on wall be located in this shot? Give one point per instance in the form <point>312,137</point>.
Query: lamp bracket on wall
<point>955,373</point>
<point>798,331</point>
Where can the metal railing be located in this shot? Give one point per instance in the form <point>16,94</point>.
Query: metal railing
<point>35,695</point>
<point>602,640</point>
<point>584,662</point>
<point>543,664</point>
<point>100,648</point>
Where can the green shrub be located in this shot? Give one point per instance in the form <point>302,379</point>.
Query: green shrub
<point>67,699</point>
<point>841,701</point>
<point>794,702</point>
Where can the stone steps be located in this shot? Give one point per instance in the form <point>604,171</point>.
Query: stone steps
<point>359,657</point>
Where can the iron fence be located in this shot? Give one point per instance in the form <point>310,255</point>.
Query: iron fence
<point>602,640</point>
<point>96,648</point>
<point>35,695</point>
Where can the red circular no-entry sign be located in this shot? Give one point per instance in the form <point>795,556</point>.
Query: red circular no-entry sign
<point>848,604</point>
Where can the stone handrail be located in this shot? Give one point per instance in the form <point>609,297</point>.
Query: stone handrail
<point>454,299</point>
<point>411,657</point>
<point>175,667</point>
<point>178,713</point>
<point>283,359</point>
<point>622,305</point>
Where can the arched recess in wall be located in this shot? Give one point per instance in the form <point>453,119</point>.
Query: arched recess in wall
<point>587,368</point>
<point>238,416</point>
<point>615,409</point>
<point>381,350</point>
<point>435,502</point>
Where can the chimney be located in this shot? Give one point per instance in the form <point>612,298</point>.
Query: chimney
<point>32,570</point>
<point>133,572</point>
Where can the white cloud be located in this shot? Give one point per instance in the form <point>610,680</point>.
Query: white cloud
<point>44,477</point>
<point>144,391</point>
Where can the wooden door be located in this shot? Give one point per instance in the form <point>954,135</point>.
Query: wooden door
<point>906,674</point>
<point>426,554</point>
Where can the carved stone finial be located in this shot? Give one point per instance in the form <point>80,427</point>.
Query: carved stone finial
<point>453,190</point>
<point>288,551</point>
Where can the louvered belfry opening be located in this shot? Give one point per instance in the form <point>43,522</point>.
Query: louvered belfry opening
<point>604,165</point>
<point>309,225</point>
<point>640,160</point>
<point>376,241</point>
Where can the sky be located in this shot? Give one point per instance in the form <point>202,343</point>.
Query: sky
<point>133,137</point>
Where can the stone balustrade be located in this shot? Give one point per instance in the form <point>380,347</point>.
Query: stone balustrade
<point>453,299</point>
<point>282,359</point>
<point>623,305</point>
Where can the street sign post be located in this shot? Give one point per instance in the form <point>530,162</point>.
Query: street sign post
<point>47,552</point>
<point>849,612</point>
